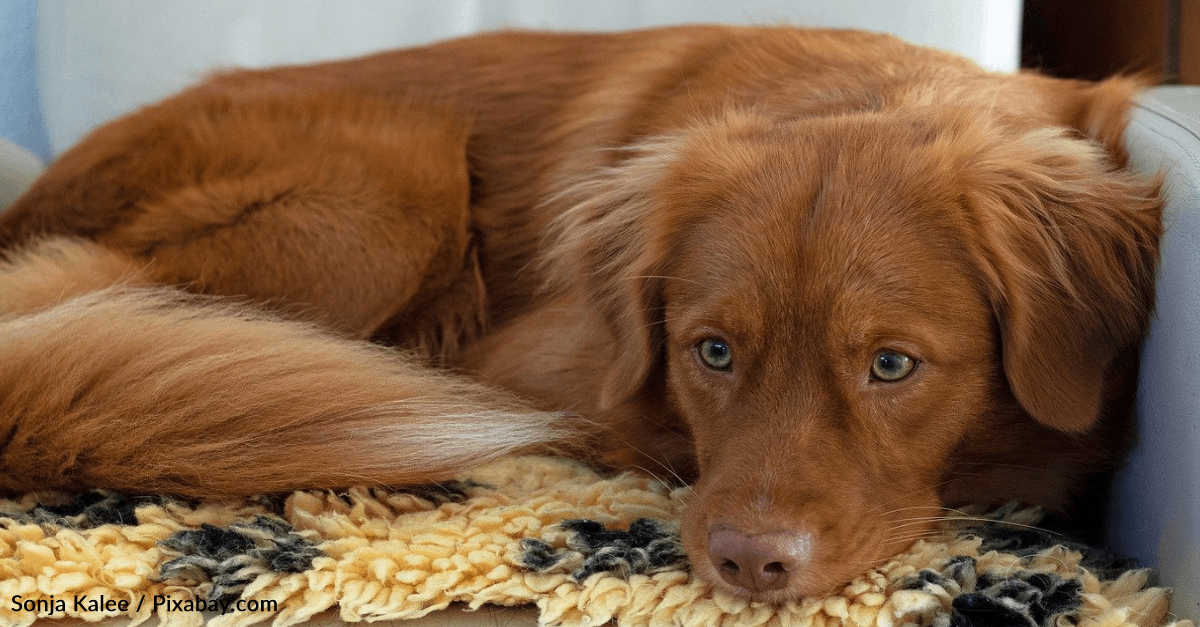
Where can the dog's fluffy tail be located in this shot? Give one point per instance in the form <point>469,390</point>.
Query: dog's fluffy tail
<point>151,390</point>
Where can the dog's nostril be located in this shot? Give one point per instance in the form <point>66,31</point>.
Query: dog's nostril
<point>758,562</point>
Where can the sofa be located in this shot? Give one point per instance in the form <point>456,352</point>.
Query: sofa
<point>1155,511</point>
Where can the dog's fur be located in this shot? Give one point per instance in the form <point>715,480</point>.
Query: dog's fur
<point>567,217</point>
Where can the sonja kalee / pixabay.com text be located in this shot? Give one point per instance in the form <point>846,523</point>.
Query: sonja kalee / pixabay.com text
<point>54,607</point>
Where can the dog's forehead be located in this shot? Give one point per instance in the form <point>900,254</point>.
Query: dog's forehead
<point>799,262</point>
<point>799,221</point>
<point>810,204</point>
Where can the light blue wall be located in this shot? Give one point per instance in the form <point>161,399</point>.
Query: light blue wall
<point>20,113</point>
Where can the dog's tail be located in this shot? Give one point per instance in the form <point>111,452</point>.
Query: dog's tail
<point>108,382</point>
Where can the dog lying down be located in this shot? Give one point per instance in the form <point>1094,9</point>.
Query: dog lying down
<point>837,281</point>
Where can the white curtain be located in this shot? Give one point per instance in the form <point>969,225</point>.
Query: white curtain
<point>99,59</point>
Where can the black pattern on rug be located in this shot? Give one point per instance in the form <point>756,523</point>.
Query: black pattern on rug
<point>648,546</point>
<point>436,494</point>
<point>232,557</point>
<point>86,510</point>
<point>1017,598</point>
<point>1025,542</point>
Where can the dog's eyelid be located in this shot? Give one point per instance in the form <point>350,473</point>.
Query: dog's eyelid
<point>919,345</point>
<point>691,335</point>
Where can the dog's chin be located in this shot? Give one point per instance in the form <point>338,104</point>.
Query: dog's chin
<point>773,597</point>
<point>795,592</point>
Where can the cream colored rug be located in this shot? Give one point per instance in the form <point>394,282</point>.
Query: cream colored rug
<point>584,549</point>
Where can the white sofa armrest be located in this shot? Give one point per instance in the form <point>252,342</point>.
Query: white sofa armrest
<point>1155,512</point>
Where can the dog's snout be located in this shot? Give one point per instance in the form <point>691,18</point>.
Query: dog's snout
<point>758,562</point>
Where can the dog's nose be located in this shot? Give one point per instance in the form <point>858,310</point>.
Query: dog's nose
<point>758,562</point>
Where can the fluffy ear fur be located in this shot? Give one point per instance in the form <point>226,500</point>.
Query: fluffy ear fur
<point>1070,250</point>
<point>604,247</point>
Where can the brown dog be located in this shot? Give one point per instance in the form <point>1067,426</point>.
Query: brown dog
<point>837,280</point>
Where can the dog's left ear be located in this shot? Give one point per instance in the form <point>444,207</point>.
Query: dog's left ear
<point>1070,247</point>
<point>610,246</point>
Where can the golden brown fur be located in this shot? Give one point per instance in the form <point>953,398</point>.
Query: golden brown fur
<point>569,218</point>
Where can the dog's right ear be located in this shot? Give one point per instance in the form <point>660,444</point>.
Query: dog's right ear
<point>1070,245</point>
<point>610,246</point>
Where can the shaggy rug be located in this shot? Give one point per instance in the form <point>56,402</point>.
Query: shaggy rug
<point>585,549</point>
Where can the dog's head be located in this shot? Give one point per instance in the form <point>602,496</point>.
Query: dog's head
<point>838,304</point>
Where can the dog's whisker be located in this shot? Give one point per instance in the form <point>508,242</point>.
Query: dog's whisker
<point>660,276</point>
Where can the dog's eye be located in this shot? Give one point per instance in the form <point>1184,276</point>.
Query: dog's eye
<point>891,366</point>
<point>715,353</point>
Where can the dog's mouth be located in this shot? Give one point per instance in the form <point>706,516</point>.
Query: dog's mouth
<point>772,597</point>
